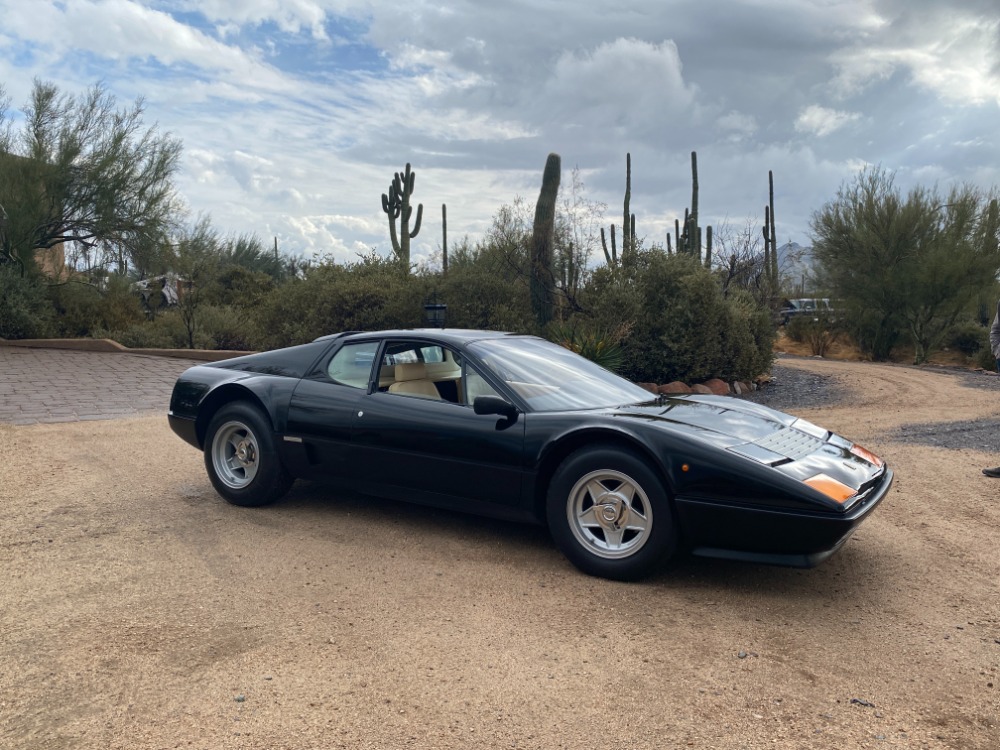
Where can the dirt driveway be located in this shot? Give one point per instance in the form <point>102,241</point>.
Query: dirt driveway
<point>138,610</point>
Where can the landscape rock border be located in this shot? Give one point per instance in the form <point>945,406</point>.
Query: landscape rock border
<point>109,345</point>
<point>713,386</point>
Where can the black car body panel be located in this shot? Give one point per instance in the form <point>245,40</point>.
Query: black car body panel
<point>736,471</point>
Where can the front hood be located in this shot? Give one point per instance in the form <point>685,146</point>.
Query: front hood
<point>795,447</point>
<point>720,420</point>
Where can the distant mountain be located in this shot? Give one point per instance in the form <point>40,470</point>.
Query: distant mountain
<point>796,264</point>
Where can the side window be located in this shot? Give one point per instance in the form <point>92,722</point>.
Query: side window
<point>416,368</point>
<point>476,385</point>
<point>352,365</point>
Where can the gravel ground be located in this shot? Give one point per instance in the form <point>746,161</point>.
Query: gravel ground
<point>792,388</point>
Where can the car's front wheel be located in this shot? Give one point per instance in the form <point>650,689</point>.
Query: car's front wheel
<point>610,515</point>
<point>241,458</point>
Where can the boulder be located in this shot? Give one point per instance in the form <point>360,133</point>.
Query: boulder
<point>718,387</point>
<point>674,387</point>
<point>700,388</point>
<point>651,387</point>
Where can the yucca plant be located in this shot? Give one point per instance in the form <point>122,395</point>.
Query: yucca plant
<point>596,344</point>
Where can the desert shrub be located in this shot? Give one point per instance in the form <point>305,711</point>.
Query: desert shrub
<point>166,331</point>
<point>819,331</point>
<point>229,327</point>
<point>984,358</point>
<point>369,295</point>
<point>682,328</point>
<point>83,308</point>
<point>236,286</point>
<point>25,310</point>
<point>748,337</point>
<point>479,298</point>
<point>968,338</point>
<point>875,333</point>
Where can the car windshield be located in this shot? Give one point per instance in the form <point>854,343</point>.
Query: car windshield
<point>552,378</point>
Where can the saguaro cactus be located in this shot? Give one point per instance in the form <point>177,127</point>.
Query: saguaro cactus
<point>397,206</point>
<point>688,236</point>
<point>542,282</point>
<point>444,239</point>
<point>694,245</point>
<point>628,226</point>
<point>773,270</point>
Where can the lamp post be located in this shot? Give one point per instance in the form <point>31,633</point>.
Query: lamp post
<point>434,314</point>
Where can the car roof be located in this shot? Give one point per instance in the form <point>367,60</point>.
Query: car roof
<point>453,336</point>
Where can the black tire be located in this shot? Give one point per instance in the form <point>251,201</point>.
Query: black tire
<point>627,536</point>
<point>241,459</point>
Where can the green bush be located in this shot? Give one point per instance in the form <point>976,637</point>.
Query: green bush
<point>480,299</point>
<point>25,311</point>
<point>984,358</point>
<point>968,338</point>
<point>82,308</point>
<point>819,331</point>
<point>226,327</point>
<point>682,328</point>
<point>748,338</point>
<point>166,331</point>
<point>372,294</point>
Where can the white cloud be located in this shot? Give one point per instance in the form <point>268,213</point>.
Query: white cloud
<point>290,16</point>
<point>820,121</point>
<point>952,53</point>
<point>625,83</point>
<point>123,31</point>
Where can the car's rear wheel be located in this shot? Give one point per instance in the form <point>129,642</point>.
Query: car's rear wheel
<point>610,515</point>
<point>241,458</point>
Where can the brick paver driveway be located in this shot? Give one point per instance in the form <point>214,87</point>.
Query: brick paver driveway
<point>58,385</point>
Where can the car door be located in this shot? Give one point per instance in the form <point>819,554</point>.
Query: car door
<point>322,412</point>
<point>437,450</point>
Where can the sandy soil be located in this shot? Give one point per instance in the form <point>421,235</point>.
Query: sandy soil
<point>141,611</point>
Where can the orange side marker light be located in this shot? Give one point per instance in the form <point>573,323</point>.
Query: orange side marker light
<point>867,455</point>
<point>831,487</point>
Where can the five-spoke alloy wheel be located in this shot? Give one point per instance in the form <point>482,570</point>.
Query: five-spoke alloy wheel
<point>241,459</point>
<point>609,513</point>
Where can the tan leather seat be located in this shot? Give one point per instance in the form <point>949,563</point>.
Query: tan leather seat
<point>411,380</point>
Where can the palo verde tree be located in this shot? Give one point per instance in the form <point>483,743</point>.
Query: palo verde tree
<point>196,253</point>
<point>908,264</point>
<point>81,170</point>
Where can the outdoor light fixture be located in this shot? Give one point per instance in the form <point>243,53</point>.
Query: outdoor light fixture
<point>434,313</point>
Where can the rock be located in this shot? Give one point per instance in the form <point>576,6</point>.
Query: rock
<point>651,387</point>
<point>674,387</point>
<point>718,387</point>
<point>703,389</point>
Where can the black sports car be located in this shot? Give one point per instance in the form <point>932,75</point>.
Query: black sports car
<point>517,427</point>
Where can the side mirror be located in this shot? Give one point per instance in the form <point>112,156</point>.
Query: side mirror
<point>494,405</point>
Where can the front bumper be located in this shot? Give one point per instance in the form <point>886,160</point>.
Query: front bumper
<point>775,537</point>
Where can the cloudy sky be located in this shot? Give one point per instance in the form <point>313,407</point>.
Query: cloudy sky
<point>294,114</point>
